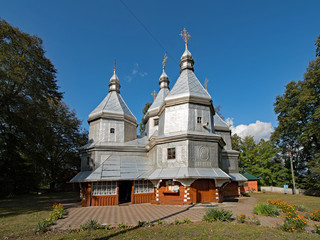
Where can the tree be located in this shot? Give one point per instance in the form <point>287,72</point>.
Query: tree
<point>261,159</point>
<point>298,131</point>
<point>29,98</point>
<point>142,125</point>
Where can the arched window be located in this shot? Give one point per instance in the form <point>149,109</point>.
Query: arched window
<point>111,130</point>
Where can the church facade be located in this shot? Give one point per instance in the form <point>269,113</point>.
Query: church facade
<point>183,157</point>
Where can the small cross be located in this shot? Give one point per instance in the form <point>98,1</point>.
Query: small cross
<point>154,94</point>
<point>206,84</point>
<point>115,64</point>
<point>164,60</point>
<point>185,36</point>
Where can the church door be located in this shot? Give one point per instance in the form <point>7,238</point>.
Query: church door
<point>202,187</point>
<point>125,188</point>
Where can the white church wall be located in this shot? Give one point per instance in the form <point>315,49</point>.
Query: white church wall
<point>151,127</point>
<point>226,137</point>
<point>181,159</point>
<point>130,131</point>
<point>202,112</point>
<point>203,154</point>
<point>176,118</point>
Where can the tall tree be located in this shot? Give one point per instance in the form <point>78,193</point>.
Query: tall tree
<point>29,97</point>
<point>298,131</point>
<point>262,160</point>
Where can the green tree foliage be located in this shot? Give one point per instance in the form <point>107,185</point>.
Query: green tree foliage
<point>261,159</point>
<point>298,132</point>
<point>33,120</point>
<point>142,125</point>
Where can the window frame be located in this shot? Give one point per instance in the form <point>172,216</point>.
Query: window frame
<point>171,153</point>
<point>143,186</point>
<point>104,188</point>
<point>156,122</point>
<point>112,130</point>
<point>199,119</point>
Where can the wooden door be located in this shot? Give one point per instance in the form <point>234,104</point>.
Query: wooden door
<point>202,188</point>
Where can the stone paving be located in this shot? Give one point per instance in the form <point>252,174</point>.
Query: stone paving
<point>131,214</point>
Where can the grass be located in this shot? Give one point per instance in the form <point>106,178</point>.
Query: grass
<point>203,230</point>
<point>19,215</point>
<point>311,203</point>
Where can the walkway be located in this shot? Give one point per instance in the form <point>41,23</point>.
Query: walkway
<point>132,214</point>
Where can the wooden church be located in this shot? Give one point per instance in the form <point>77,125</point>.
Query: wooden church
<point>183,157</point>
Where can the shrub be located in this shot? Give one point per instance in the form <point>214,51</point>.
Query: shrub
<point>108,227</point>
<point>177,222</point>
<point>43,226</point>
<point>316,215</point>
<point>186,220</point>
<point>159,222</point>
<point>241,218</point>
<point>90,225</point>
<point>254,220</point>
<point>289,209</point>
<point>301,208</point>
<point>266,209</point>
<point>317,228</point>
<point>57,212</point>
<point>245,194</point>
<point>294,224</point>
<point>217,215</point>
<point>122,226</point>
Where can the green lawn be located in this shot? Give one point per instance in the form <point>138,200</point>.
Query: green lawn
<point>20,215</point>
<point>311,203</point>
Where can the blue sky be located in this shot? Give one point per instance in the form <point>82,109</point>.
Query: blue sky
<point>248,50</point>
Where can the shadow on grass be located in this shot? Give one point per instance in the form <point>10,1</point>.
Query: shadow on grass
<point>31,203</point>
<point>153,222</point>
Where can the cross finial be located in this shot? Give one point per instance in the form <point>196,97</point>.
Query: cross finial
<point>115,65</point>
<point>154,94</point>
<point>164,60</point>
<point>206,84</point>
<point>185,36</point>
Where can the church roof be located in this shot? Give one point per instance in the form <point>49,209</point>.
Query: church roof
<point>187,172</point>
<point>118,167</point>
<point>188,85</point>
<point>159,99</point>
<point>112,104</point>
<point>219,122</point>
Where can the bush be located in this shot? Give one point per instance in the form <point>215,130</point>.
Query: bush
<point>301,208</point>
<point>91,224</point>
<point>177,222</point>
<point>316,215</point>
<point>317,228</point>
<point>294,224</point>
<point>43,226</point>
<point>241,218</point>
<point>186,220</point>
<point>217,215</point>
<point>289,209</point>
<point>266,209</point>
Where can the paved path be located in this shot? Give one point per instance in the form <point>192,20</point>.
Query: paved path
<point>132,214</point>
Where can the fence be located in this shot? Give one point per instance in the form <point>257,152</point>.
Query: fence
<point>281,190</point>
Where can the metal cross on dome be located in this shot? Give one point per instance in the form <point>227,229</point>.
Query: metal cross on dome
<point>154,94</point>
<point>185,35</point>
<point>206,84</point>
<point>115,64</point>
<point>164,60</point>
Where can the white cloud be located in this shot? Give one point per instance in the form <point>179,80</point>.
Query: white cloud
<point>136,71</point>
<point>128,78</point>
<point>258,129</point>
<point>143,74</point>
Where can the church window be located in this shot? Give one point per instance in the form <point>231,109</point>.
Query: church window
<point>156,122</point>
<point>111,130</point>
<point>171,153</point>
<point>104,188</point>
<point>199,120</point>
<point>143,186</point>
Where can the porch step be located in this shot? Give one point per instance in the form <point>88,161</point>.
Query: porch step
<point>205,205</point>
